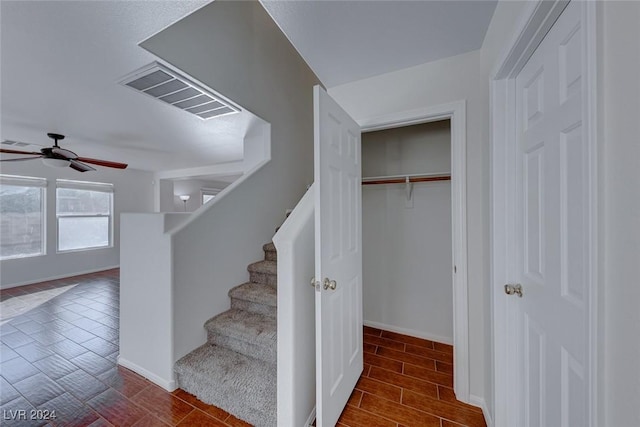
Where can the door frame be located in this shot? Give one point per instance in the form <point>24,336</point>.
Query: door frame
<point>537,19</point>
<point>456,113</point>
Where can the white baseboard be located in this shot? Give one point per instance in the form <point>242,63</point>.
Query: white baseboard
<point>410,332</point>
<point>312,417</point>
<point>169,385</point>
<point>480,402</point>
<point>62,276</point>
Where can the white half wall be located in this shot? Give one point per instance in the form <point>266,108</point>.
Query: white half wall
<point>296,320</point>
<point>406,256</point>
<point>133,192</point>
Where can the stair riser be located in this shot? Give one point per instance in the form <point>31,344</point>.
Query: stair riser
<point>267,354</point>
<point>264,278</point>
<point>270,256</point>
<point>254,307</point>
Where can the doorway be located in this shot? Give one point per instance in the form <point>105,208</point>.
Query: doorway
<point>456,114</point>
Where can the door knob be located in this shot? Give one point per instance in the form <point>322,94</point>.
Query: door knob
<point>515,289</point>
<point>314,282</point>
<point>330,284</point>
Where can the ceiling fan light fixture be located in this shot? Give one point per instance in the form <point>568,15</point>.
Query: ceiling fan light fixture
<point>55,163</point>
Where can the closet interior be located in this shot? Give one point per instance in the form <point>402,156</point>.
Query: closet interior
<point>406,230</point>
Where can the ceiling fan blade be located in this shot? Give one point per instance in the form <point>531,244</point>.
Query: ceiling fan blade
<point>19,159</point>
<point>106,163</point>
<point>4,150</point>
<point>80,167</point>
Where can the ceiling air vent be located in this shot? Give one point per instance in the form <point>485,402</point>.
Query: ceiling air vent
<point>164,84</point>
<point>14,143</point>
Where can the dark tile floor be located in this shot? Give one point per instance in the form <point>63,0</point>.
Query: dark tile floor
<point>58,359</point>
<point>59,351</point>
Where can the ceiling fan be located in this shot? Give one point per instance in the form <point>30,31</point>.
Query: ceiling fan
<point>60,157</point>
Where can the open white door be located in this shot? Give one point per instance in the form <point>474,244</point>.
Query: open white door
<point>338,237</point>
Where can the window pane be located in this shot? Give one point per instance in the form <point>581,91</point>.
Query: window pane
<point>82,233</point>
<point>207,197</point>
<point>70,201</point>
<point>21,221</point>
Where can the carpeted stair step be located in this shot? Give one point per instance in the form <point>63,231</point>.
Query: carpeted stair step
<point>255,298</point>
<point>251,334</point>
<point>264,272</point>
<point>241,385</point>
<point>270,253</point>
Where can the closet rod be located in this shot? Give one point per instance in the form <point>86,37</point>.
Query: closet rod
<point>403,179</point>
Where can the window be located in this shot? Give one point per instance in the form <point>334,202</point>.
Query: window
<point>208,194</point>
<point>22,216</point>
<point>84,213</point>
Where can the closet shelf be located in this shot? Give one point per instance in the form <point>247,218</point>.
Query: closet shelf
<point>406,179</point>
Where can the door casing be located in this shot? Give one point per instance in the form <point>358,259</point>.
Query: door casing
<point>537,19</point>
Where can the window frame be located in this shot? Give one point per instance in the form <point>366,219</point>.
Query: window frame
<point>208,192</point>
<point>34,182</point>
<point>86,186</point>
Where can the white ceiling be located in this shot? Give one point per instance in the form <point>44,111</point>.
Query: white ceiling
<point>344,41</point>
<point>61,62</point>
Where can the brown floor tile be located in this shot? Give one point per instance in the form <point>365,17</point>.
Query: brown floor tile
<point>445,348</point>
<point>198,418</point>
<point>163,405</point>
<point>369,348</point>
<point>430,354</point>
<point>447,394</point>
<point>354,399</point>
<point>403,381</point>
<point>444,367</point>
<point>372,331</point>
<point>428,375</point>
<point>236,422</point>
<point>383,342</point>
<point>39,389</point>
<point>383,362</point>
<point>419,342</point>
<point>82,385</point>
<point>214,411</point>
<point>447,423</point>
<point>150,421</point>
<point>123,380</point>
<point>379,388</point>
<point>116,408</point>
<point>398,413</point>
<point>443,409</point>
<point>407,358</point>
<point>355,417</point>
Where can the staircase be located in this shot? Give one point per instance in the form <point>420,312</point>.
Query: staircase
<point>236,369</point>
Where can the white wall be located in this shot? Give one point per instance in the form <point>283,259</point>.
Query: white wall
<point>406,255</point>
<point>133,192</point>
<point>435,83</point>
<point>619,68</point>
<point>236,49</point>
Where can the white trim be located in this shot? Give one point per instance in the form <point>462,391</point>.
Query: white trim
<point>169,385</point>
<point>456,112</point>
<point>537,19</point>
<point>410,332</point>
<point>311,419</point>
<point>482,404</point>
<point>61,276</point>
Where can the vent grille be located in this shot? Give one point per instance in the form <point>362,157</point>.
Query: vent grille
<point>15,143</point>
<point>175,89</point>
